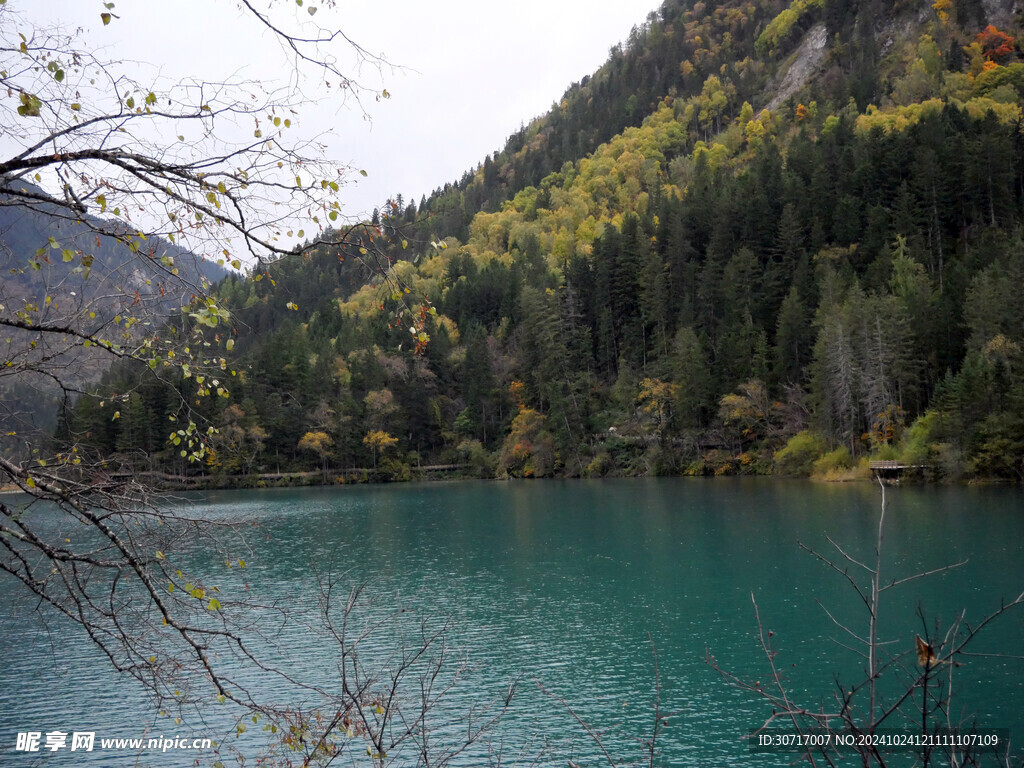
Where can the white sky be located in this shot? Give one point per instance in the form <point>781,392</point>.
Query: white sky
<point>474,70</point>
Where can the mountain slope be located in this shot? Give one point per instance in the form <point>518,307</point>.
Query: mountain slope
<point>722,288</point>
<point>70,275</point>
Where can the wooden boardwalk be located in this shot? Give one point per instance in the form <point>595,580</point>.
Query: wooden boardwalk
<point>892,469</point>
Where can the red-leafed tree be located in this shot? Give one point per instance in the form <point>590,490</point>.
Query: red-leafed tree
<point>996,45</point>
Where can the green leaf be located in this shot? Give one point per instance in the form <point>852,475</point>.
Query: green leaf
<point>214,604</point>
<point>363,173</point>
<point>106,18</point>
<point>30,105</point>
<point>230,345</point>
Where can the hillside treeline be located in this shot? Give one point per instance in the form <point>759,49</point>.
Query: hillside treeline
<point>716,290</point>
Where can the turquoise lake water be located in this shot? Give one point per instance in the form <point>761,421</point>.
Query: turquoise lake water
<point>562,584</point>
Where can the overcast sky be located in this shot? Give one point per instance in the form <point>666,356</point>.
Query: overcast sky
<point>474,70</point>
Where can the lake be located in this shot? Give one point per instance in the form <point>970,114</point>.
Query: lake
<point>563,583</point>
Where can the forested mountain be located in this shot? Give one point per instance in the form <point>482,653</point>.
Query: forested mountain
<point>48,260</point>
<point>762,237</point>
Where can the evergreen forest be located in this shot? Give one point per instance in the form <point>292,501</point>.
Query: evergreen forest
<point>764,237</point>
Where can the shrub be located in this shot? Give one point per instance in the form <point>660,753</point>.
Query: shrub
<point>839,466</point>
<point>529,448</point>
<point>599,466</point>
<point>480,459</point>
<point>838,459</point>
<point>797,457</point>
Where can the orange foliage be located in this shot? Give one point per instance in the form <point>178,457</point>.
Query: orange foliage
<point>995,44</point>
<point>529,449</point>
<point>517,390</point>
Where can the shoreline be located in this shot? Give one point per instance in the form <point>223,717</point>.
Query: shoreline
<point>365,476</point>
<point>163,481</point>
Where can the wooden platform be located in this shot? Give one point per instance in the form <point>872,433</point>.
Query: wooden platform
<point>893,469</point>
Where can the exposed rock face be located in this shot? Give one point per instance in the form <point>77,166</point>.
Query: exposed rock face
<point>1001,12</point>
<point>806,61</point>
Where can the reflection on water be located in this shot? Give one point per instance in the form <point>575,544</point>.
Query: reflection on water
<point>563,581</point>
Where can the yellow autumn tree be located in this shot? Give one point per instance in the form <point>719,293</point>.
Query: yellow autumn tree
<point>378,440</point>
<point>655,400</point>
<point>319,443</point>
